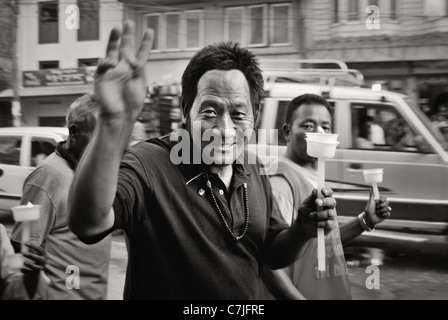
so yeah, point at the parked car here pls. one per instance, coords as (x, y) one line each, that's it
(21, 150)
(411, 149)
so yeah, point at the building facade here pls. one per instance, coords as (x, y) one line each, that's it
(270, 28)
(6, 61)
(402, 45)
(58, 46)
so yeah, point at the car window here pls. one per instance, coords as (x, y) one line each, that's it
(438, 127)
(10, 150)
(381, 127)
(40, 149)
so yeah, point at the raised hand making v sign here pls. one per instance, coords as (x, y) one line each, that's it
(120, 85)
(120, 89)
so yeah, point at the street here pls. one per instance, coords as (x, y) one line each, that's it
(411, 267)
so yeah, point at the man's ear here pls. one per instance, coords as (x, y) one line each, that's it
(183, 105)
(286, 131)
(73, 130)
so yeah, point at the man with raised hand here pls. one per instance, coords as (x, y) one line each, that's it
(200, 228)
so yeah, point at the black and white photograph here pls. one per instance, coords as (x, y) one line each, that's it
(224, 155)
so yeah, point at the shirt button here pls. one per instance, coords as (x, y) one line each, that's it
(221, 192)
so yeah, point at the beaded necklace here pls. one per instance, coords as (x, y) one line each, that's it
(246, 209)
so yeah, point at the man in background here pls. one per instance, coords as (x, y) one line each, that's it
(76, 270)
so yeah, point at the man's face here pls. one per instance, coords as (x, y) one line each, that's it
(306, 118)
(222, 109)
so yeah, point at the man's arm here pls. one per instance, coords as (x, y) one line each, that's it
(18, 285)
(120, 90)
(285, 246)
(280, 285)
(375, 212)
(33, 268)
(95, 181)
(39, 229)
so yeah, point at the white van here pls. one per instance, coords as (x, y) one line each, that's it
(21, 150)
(412, 151)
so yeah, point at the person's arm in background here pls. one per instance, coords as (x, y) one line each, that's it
(21, 283)
(120, 89)
(284, 246)
(374, 213)
(33, 274)
(39, 228)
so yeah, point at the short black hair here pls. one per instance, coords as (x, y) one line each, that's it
(304, 99)
(222, 56)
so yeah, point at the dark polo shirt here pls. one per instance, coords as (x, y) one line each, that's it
(179, 247)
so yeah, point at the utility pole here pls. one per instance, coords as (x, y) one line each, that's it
(15, 109)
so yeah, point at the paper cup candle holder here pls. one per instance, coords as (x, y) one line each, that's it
(321, 146)
(25, 214)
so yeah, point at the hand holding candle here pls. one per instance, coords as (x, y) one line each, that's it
(26, 214)
(321, 146)
(373, 177)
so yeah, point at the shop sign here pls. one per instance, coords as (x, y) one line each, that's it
(58, 77)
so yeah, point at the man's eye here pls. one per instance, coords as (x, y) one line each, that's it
(239, 115)
(307, 127)
(209, 112)
(326, 129)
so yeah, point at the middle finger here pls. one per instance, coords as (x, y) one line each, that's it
(127, 42)
(34, 257)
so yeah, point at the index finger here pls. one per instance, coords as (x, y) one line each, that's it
(34, 258)
(112, 45)
(127, 41)
(35, 247)
(309, 202)
(327, 192)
